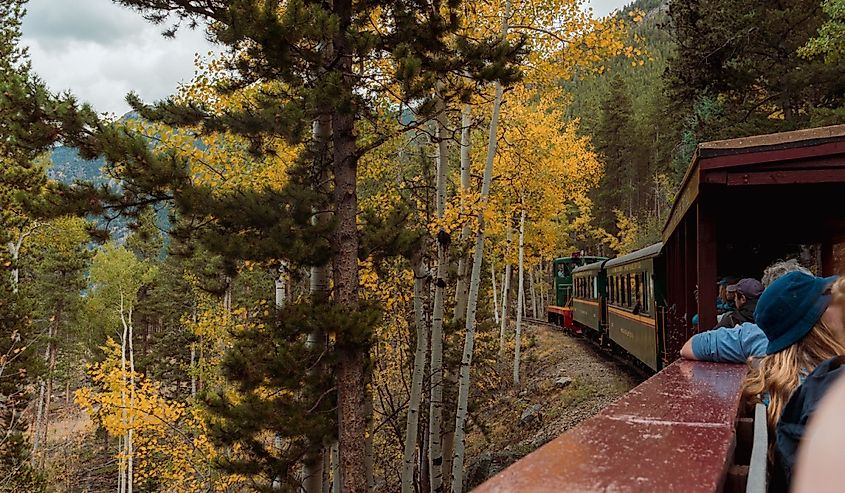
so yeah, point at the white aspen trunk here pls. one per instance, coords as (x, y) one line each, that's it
(130, 450)
(436, 403)
(123, 485)
(280, 291)
(39, 412)
(463, 263)
(336, 479)
(194, 318)
(533, 291)
(412, 425)
(503, 320)
(227, 295)
(281, 286)
(495, 291)
(48, 395)
(193, 370)
(121, 466)
(15, 252)
(475, 280)
(321, 130)
(520, 301)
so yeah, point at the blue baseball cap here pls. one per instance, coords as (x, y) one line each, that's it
(790, 307)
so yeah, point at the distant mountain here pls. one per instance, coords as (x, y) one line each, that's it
(68, 167)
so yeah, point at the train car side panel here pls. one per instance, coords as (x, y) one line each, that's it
(586, 313)
(636, 334)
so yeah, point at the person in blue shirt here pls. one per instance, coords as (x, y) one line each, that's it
(737, 344)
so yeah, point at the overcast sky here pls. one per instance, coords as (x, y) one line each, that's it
(100, 51)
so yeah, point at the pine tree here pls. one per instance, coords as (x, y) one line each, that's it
(613, 139)
(746, 55)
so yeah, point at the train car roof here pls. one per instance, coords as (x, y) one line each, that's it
(590, 267)
(758, 160)
(643, 253)
(594, 257)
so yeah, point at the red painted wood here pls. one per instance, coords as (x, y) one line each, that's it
(771, 155)
(706, 268)
(675, 432)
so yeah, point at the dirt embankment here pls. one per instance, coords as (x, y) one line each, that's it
(564, 381)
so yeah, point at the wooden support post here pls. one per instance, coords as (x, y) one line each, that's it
(707, 246)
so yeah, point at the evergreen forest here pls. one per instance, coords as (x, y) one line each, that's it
(309, 267)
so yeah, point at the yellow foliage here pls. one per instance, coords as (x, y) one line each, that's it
(171, 446)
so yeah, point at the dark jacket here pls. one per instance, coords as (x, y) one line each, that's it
(743, 314)
(796, 413)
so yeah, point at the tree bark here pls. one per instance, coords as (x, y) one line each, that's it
(412, 425)
(533, 292)
(520, 301)
(495, 293)
(351, 357)
(130, 445)
(318, 285)
(124, 450)
(436, 410)
(463, 263)
(503, 320)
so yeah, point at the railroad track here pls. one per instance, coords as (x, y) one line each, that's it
(624, 360)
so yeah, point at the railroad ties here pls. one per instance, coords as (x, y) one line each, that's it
(677, 431)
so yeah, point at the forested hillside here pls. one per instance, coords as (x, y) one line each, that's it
(361, 201)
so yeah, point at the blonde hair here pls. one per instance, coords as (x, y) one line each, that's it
(778, 375)
(838, 291)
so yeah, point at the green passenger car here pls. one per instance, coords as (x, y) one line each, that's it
(589, 286)
(635, 301)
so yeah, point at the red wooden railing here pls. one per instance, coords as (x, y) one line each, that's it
(674, 432)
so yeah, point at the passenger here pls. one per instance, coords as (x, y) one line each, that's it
(804, 329)
(819, 463)
(746, 292)
(724, 301)
(802, 404)
(736, 345)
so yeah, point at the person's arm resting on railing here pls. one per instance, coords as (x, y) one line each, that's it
(726, 345)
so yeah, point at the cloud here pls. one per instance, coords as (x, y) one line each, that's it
(604, 7)
(58, 22)
(100, 51)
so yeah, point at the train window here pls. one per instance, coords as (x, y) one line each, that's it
(615, 290)
(620, 287)
(644, 291)
(611, 291)
(623, 290)
(595, 288)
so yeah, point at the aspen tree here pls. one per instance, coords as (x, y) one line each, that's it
(520, 301)
(443, 240)
(421, 281)
(503, 320)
